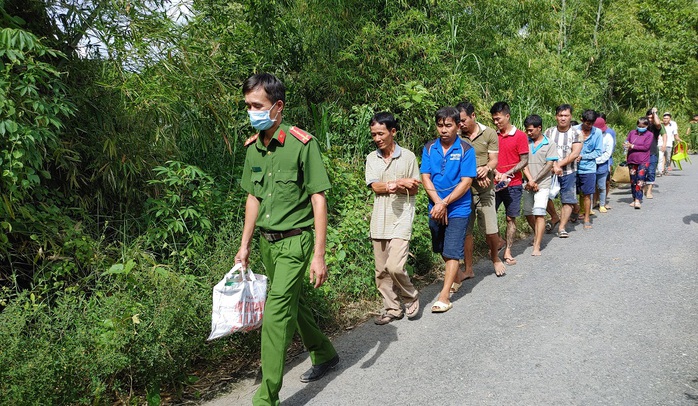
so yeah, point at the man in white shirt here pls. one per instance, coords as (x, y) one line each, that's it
(672, 134)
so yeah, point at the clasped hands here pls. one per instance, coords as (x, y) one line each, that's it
(405, 184)
(439, 212)
(532, 186)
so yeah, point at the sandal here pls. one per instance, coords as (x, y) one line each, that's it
(550, 226)
(413, 308)
(562, 234)
(386, 318)
(441, 307)
(454, 288)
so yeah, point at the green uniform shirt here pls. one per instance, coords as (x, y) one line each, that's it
(282, 176)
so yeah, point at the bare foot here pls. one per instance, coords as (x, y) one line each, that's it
(500, 269)
(535, 253)
(463, 274)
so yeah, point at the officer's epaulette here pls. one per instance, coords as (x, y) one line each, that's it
(252, 139)
(301, 135)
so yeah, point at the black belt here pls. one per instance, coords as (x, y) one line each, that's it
(274, 236)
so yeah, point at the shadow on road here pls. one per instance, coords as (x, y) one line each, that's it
(692, 396)
(374, 338)
(693, 218)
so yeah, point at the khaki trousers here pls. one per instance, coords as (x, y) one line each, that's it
(392, 279)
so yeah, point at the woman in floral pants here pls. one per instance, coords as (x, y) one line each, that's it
(638, 146)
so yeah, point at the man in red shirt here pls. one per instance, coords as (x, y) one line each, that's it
(513, 157)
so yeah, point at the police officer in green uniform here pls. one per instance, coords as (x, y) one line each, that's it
(285, 180)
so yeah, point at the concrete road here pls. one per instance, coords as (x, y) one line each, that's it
(608, 316)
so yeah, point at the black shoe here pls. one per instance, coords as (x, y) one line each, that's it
(318, 371)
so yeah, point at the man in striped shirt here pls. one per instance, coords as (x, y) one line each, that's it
(393, 175)
(569, 146)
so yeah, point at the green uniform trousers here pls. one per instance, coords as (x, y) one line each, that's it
(287, 262)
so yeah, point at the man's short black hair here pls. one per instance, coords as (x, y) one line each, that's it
(466, 106)
(643, 120)
(534, 120)
(273, 87)
(384, 118)
(447, 112)
(562, 108)
(649, 112)
(589, 115)
(500, 107)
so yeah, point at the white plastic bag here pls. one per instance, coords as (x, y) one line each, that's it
(238, 302)
(554, 186)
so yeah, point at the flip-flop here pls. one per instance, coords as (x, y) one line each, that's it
(550, 226)
(454, 288)
(510, 261)
(386, 318)
(413, 308)
(441, 307)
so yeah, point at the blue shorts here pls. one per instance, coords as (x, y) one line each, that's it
(586, 183)
(511, 197)
(449, 239)
(568, 188)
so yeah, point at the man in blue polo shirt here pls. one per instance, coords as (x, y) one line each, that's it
(448, 169)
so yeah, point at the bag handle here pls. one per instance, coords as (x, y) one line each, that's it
(244, 273)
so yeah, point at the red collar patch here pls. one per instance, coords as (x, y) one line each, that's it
(282, 137)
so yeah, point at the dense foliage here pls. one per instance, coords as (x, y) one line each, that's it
(121, 130)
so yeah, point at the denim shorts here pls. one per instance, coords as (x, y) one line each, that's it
(568, 188)
(511, 197)
(586, 183)
(449, 239)
(652, 170)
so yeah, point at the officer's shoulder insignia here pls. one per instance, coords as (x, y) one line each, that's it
(282, 136)
(252, 139)
(301, 135)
